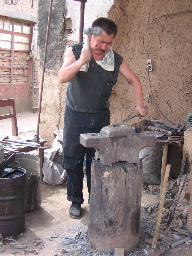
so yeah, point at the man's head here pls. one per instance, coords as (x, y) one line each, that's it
(101, 43)
(107, 25)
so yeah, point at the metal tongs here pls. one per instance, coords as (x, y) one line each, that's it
(125, 120)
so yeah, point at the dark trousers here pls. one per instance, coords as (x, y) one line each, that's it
(77, 123)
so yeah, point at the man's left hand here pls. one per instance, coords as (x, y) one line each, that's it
(142, 110)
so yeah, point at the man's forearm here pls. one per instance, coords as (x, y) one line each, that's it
(67, 73)
(138, 93)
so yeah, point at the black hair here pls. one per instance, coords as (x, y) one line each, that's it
(106, 24)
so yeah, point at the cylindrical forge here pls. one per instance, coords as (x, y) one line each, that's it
(116, 186)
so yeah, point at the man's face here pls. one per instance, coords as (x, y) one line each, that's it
(100, 44)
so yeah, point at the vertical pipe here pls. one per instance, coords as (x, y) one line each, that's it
(82, 11)
(42, 80)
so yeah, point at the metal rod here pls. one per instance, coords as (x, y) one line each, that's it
(125, 120)
(31, 144)
(6, 162)
(82, 11)
(182, 241)
(42, 81)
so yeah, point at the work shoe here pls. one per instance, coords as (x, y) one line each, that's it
(75, 211)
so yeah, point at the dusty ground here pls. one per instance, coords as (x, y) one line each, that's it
(50, 231)
(46, 226)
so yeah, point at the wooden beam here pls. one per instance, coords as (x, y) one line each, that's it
(164, 187)
(164, 163)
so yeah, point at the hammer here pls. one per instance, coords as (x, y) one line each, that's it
(87, 31)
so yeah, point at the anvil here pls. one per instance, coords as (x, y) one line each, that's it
(117, 144)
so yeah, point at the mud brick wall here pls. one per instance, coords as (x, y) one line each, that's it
(150, 29)
(51, 117)
(160, 31)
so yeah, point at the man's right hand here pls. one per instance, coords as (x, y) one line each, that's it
(71, 66)
(85, 56)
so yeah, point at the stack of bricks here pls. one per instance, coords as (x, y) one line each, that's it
(19, 8)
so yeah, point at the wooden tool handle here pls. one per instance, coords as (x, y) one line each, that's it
(86, 45)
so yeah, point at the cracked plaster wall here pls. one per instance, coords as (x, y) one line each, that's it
(160, 31)
(148, 29)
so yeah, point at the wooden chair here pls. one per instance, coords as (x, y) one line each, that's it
(10, 103)
(19, 145)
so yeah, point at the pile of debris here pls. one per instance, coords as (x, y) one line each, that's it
(173, 231)
(167, 130)
(53, 171)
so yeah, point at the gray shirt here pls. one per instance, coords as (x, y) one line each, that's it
(89, 92)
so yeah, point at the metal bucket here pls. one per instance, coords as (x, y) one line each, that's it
(31, 164)
(152, 162)
(12, 203)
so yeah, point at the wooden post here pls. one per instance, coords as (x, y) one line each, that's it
(164, 187)
(164, 163)
(114, 213)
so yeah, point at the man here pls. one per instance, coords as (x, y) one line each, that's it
(87, 106)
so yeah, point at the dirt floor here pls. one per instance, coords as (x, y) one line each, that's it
(51, 232)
